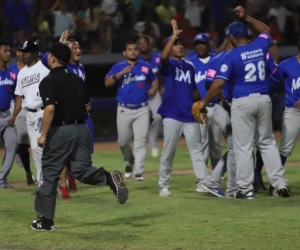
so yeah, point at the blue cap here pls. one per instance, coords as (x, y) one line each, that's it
(238, 29)
(168, 39)
(201, 37)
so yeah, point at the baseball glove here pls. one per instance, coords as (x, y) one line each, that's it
(199, 115)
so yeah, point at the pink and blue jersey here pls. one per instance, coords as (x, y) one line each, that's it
(7, 87)
(201, 69)
(153, 61)
(177, 101)
(244, 67)
(289, 70)
(77, 69)
(133, 87)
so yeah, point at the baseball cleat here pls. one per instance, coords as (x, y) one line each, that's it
(128, 172)
(30, 179)
(200, 189)
(6, 185)
(71, 182)
(164, 192)
(248, 195)
(215, 191)
(42, 225)
(139, 178)
(284, 192)
(118, 187)
(19, 161)
(63, 193)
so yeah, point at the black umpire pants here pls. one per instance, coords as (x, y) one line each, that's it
(70, 146)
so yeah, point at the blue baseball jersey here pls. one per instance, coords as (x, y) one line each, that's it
(15, 71)
(77, 69)
(245, 67)
(193, 53)
(177, 101)
(133, 86)
(153, 61)
(271, 65)
(7, 87)
(214, 66)
(201, 69)
(289, 70)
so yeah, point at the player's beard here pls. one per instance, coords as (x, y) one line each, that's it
(132, 59)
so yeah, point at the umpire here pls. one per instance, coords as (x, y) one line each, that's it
(66, 139)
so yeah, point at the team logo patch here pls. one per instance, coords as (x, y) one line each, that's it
(157, 59)
(265, 36)
(211, 73)
(145, 70)
(13, 75)
(223, 68)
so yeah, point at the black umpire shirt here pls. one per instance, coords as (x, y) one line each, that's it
(67, 92)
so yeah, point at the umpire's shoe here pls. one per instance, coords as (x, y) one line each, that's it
(42, 224)
(115, 181)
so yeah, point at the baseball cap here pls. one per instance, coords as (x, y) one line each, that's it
(61, 51)
(168, 39)
(201, 37)
(29, 46)
(238, 29)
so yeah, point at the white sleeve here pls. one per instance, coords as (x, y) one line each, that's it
(18, 90)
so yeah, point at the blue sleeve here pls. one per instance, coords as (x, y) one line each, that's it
(164, 70)
(45, 59)
(277, 73)
(212, 71)
(271, 65)
(224, 71)
(193, 82)
(263, 40)
(151, 76)
(113, 70)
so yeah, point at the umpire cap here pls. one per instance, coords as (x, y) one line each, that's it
(29, 46)
(61, 51)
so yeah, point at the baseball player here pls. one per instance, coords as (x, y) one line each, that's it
(153, 103)
(22, 153)
(212, 182)
(28, 97)
(179, 96)
(136, 82)
(288, 69)
(67, 181)
(251, 106)
(8, 134)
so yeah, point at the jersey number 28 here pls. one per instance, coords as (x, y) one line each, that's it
(253, 69)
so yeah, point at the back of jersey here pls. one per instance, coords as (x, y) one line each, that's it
(245, 67)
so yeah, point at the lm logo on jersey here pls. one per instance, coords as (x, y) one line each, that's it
(182, 76)
(295, 84)
(199, 77)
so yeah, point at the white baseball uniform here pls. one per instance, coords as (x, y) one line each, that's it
(28, 82)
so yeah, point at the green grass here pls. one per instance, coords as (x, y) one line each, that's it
(93, 219)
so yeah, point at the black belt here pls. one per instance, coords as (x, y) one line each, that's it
(56, 124)
(35, 110)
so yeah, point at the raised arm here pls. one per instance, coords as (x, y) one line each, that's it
(164, 60)
(258, 26)
(54, 6)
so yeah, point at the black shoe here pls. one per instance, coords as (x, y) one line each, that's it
(284, 192)
(30, 179)
(128, 172)
(240, 195)
(258, 184)
(115, 181)
(273, 191)
(42, 224)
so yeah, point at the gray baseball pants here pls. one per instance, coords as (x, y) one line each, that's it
(290, 131)
(251, 118)
(154, 104)
(211, 135)
(172, 133)
(222, 119)
(9, 135)
(133, 123)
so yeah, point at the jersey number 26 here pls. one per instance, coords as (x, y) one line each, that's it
(253, 69)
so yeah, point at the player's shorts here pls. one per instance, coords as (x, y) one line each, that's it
(21, 126)
(89, 124)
